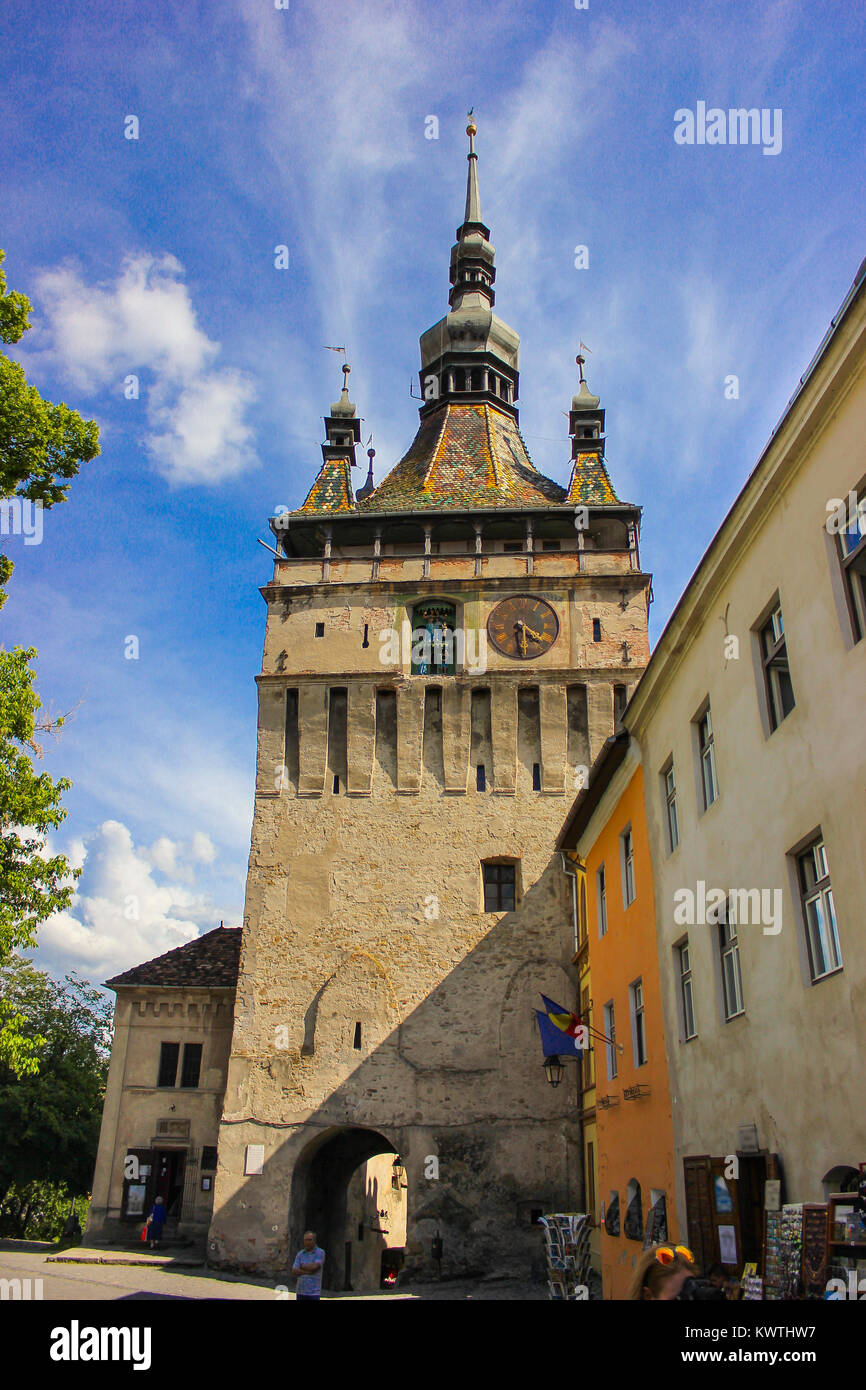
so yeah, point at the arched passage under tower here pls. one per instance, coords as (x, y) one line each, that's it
(349, 1186)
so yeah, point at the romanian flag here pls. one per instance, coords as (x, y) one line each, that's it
(560, 1030)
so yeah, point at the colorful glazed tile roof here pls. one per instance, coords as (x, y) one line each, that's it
(465, 456)
(590, 482)
(332, 490)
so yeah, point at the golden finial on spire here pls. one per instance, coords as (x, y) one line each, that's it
(471, 130)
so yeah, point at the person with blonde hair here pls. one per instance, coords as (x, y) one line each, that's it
(662, 1271)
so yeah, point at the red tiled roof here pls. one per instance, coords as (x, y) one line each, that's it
(209, 962)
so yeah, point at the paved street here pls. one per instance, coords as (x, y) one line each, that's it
(101, 1282)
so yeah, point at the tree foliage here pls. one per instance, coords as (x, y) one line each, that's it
(50, 1120)
(42, 447)
(33, 884)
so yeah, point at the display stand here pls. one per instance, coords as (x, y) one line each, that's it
(772, 1255)
(815, 1232)
(846, 1238)
(783, 1251)
(566, 1236)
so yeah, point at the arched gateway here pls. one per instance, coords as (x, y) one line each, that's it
(357, 1212)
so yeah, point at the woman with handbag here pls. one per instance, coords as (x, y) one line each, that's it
(155, 1223)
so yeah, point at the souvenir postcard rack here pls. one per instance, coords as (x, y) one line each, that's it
(566, 1237)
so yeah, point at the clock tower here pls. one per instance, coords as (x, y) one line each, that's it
(446, 650)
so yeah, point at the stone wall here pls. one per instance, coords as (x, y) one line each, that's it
(380, 1008)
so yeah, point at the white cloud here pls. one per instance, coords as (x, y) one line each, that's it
(168, 855)
(121, 914)
(145, 323)
(203, 432)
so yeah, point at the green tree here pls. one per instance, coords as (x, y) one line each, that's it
(50, 1119)
(42, 447)
(33, 885)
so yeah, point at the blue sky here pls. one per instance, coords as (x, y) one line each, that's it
(305, 127)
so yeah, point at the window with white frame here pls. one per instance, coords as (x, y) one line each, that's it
(610, 1034)
(852, 558)
(779, 691)
(638, 1023)
(601, 893)
(819, 911)
(729, 953)
(687, 997)
(707, 754)
(669, 791)
(626, 841)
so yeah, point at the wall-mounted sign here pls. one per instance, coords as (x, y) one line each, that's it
(135, 1199)
(728, 1245)
(254, 1160)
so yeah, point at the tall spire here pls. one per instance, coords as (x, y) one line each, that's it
(472, 271)
(473, 196)
(470, 356)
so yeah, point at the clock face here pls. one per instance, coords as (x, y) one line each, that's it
(523, 627)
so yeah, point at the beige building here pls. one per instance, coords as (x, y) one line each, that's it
(750, 723)
(444, 649)
(164, 1095)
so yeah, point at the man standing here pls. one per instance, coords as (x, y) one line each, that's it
(307, 1268)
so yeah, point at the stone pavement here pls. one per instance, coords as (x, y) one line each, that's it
(162, 1277)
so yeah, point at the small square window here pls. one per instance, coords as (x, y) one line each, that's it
(499, 887)
(320, 629)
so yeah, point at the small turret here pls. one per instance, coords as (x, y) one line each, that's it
(342, 426)
(585, 420)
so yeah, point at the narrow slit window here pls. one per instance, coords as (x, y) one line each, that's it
(336, 784)
(366, 641)
(596, 629)
(536, 777)
(356, 1043)
(480, 778)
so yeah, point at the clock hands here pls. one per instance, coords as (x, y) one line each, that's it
(527, 631)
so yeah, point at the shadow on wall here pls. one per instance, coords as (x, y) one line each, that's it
(456, 1089)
